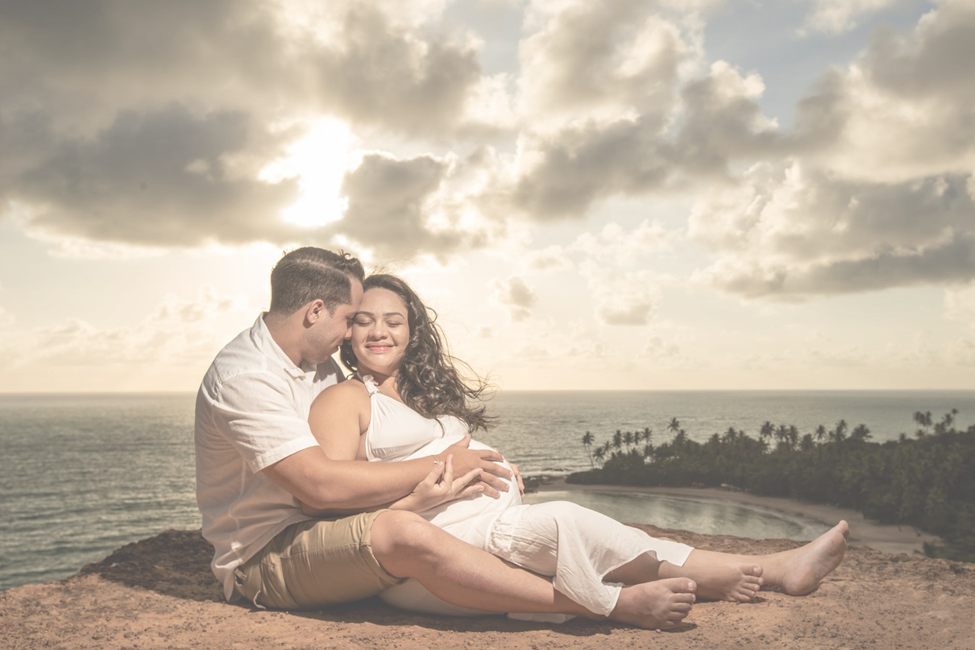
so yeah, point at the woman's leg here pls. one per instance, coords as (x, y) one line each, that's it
(797, 571)
(543, 537)
(578, 547)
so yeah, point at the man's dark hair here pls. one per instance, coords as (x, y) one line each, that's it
(309, 273)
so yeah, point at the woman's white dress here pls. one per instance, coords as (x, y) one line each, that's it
(574, 545)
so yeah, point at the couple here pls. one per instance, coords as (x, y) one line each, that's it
(300, 519)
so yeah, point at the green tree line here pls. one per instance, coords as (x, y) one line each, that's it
(926, 480)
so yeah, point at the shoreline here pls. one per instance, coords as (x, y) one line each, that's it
(888, 538)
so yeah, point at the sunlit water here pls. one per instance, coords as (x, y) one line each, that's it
(700, 516)
(82, 475)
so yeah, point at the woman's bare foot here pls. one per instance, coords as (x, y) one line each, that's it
(661, 604)
(800, 570)
(735, 582)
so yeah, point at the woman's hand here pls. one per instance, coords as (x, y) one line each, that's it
(439, 487)
(521, 484)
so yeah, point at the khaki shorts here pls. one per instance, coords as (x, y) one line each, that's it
(315, 563)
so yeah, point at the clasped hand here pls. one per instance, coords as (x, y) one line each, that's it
(440, 486)
(494, 475)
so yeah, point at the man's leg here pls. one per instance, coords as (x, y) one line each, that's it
(407, 546)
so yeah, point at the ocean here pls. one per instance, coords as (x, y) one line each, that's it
(81, 475)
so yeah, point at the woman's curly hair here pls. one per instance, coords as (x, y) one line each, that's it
(428, 378)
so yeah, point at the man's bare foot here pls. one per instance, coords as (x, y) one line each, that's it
(802, 569)
(661, 604)
(735, 582)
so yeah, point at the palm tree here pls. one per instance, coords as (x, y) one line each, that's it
(680, 438)
(628, 439)
(820, 433)
(781, 434)
(648, 451)
(923, 421)
(618, 439)
(839, 433)
(860, 432)
(600, 454)
(807, 442)
(793, 436)
(587, 441)
(729, 435)
(674, 425)
(647, 434)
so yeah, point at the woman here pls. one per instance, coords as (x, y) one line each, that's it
(407, 400)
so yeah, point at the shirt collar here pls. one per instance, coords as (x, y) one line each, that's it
(266, 343)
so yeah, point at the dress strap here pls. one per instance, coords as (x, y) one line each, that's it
(369, 383)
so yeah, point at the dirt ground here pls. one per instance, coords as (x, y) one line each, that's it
(159, 593)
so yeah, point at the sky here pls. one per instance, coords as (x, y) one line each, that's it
(593, 195)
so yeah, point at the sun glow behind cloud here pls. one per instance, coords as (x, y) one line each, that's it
(320, 160)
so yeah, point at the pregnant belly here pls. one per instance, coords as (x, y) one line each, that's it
(470, 518)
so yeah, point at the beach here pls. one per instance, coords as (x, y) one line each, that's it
(882, 537)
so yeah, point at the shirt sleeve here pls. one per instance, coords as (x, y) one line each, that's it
(257, 413)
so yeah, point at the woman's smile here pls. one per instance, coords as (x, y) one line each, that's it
(380, 332)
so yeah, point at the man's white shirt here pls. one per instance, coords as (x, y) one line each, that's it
(251, 411)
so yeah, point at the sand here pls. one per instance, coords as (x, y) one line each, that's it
(159, 593)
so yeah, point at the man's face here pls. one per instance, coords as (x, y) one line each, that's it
(331, 330)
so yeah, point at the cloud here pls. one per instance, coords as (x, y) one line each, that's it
(6, 318)
(627, 298)
(904, 109)
(550, 258)
(621, 246)
(960, 304)
(165, 178)
(657, 347)
(874, 188)
(176, 332)
(398, 78)
(793, 233)
(515, 295)
(87, 61)
(562, 173)
(598, 59)
(151, 125)
(838, 16)
(405, 208)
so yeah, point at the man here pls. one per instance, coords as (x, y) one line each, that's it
(257, 461)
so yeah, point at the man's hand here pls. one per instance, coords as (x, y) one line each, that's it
(494, 475)
(440, 486)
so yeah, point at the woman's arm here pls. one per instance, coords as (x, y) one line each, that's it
(337, 419)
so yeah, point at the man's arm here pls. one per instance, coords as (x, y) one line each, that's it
(327, 478)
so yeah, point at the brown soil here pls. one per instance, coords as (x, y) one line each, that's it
(159, 593)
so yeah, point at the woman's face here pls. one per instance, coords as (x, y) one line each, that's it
(380, 332)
